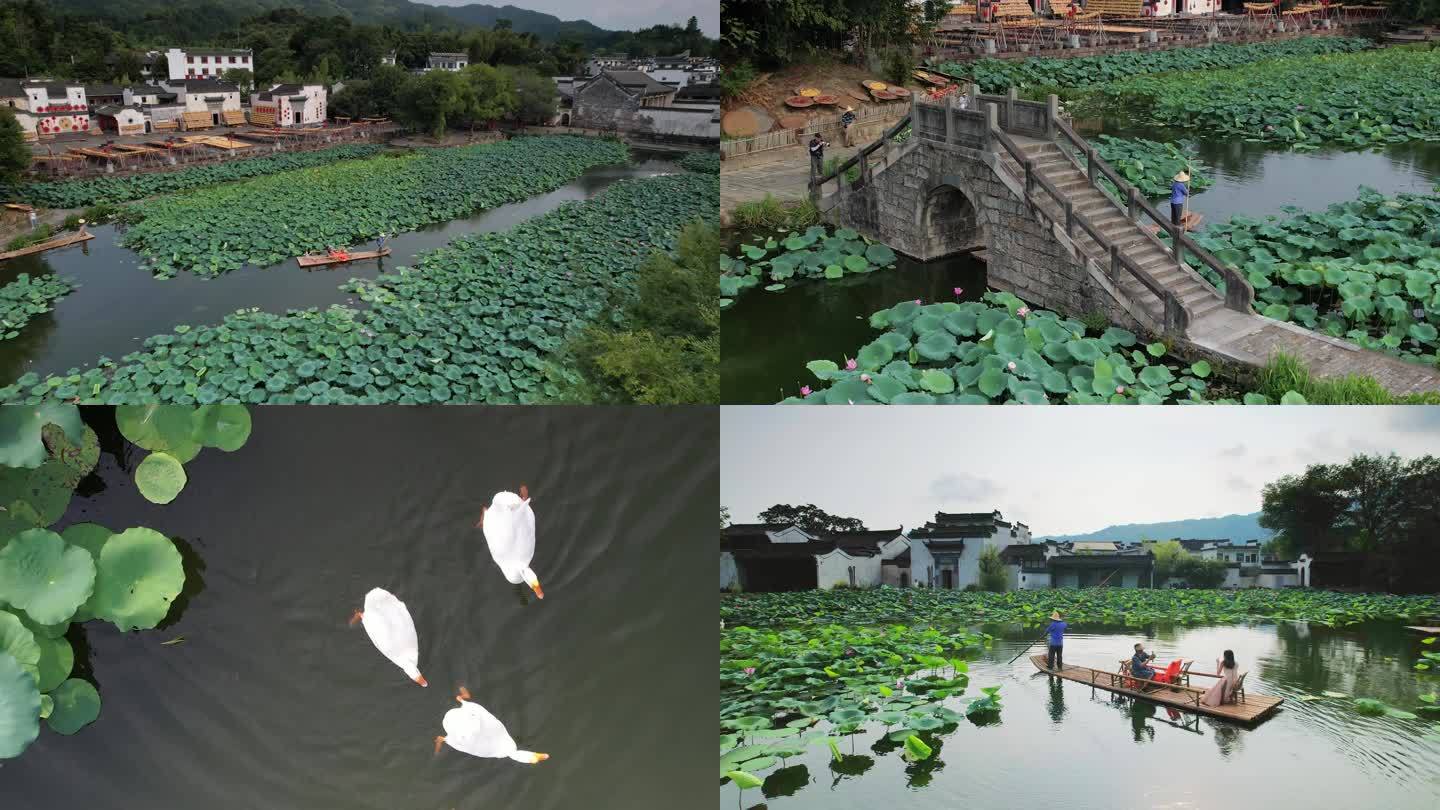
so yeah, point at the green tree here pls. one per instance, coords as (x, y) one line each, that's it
(724, 516)
(1168, 556)
(992, 571)
(666, 346)
(810, 518)
(492, 94)
(1201, 573)
(534, 95)
(14, 154)
(434, 99)
(241, 78)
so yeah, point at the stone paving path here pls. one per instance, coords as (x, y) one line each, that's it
(786, 177)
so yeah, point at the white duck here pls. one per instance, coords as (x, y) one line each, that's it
(472, 730)
(388, 623)
(509, 525)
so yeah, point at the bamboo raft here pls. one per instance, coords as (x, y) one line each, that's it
(309, 260)
(1249, 709)
(1190, 220)
(58, 242)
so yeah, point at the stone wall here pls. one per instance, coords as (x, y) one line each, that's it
(928, 200)
(604, 106)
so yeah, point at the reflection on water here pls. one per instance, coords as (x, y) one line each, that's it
(272, 701)
(767, 338)
(1060, 743)
(119, 304)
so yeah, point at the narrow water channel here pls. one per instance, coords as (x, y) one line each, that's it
(119, 304)
(1061, 744)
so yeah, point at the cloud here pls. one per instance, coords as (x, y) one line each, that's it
(1234, 452)
(955, 489)
(1238, 484)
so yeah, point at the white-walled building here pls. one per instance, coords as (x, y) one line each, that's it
(389, 58)
(447, 61)
(289, 105)
(781, 557)
(121, 120)
(177, 64)
(955, 541)
(46, 109)
(148, 95)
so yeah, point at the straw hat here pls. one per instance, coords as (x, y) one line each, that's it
(848, 108)
(1055, 614)
(1183, 176)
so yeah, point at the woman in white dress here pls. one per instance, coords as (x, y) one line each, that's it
(1224, 688)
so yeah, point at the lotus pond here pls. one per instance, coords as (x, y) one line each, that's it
(1356, 714)
(253, 691)
(87, 325)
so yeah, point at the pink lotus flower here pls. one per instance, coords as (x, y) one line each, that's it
(1119, 389)
(917, 300)
(749, 670)
(1010, 365)
(959, 290)
(849, 364)
(865, 378)
(1022, 311)
(804, 390)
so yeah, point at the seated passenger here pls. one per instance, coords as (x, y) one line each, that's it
(1139, 663)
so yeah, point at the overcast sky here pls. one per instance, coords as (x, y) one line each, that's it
(618, 15)
(1061, 470)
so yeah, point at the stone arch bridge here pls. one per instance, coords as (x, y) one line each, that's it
(1012, 177)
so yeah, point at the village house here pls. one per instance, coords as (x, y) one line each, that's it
(782, 557)
(289, 105)
(952, 544)
(447, 61)
(176, 64)
(99, 95)
(596, 65)
(1095, 564)
(147, 95)
(46, 109)
(207, 102)
(388, 58)
(629, 101)
(121, 120)
(672, 71)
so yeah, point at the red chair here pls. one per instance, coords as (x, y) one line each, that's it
(1170, 674)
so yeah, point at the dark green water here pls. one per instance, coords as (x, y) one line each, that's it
(272, 702)
(1061, 744)
(119, 304)
(767, 338)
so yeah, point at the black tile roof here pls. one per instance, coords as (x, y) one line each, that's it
(635, 80)
(206, 86)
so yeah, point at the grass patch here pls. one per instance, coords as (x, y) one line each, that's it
(772, 213)
(1285, 373)
(36, 236)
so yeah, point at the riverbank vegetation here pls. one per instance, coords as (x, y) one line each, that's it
(664, 348)
(769, 212)
(1133, 607)
(81, 193)
(1381, 506)
(269, 219)
(705, 162)
(475, 321)
(52, 579)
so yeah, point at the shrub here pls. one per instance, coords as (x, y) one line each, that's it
(736, 78)
(992, 571)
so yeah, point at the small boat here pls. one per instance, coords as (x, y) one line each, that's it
(50, 244)
(1248, 709)
(1190, 220)
(312, 260)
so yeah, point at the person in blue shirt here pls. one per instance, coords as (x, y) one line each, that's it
(1178, 192)
(1053, 659)
(1140, 663)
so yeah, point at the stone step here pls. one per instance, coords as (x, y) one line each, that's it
(1203, 308)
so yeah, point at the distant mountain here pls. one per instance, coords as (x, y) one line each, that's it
(399, 13)
(1230, 527)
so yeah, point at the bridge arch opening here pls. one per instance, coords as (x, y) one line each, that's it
(950, 221)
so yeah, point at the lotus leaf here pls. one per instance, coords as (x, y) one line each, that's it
(17, 641)
(139, 575)
(56, 660)
(77, 704)
(20, 431)
(19, 708)
(160, 477)
(916, 749)
(225, 426)
(24, 298)
(42, 576)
